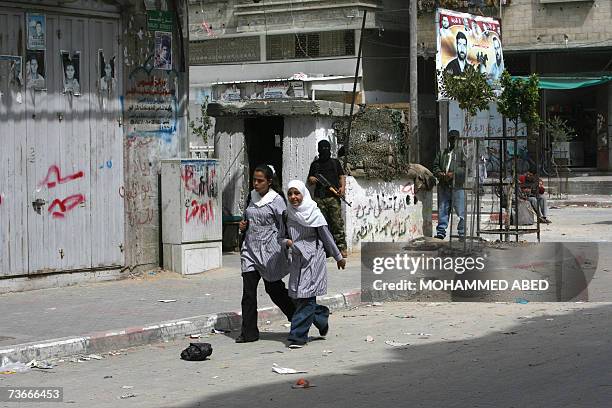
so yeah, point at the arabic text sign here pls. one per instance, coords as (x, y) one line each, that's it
(160, 20)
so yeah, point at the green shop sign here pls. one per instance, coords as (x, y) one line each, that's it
(160, 20)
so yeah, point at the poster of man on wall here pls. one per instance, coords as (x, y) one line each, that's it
(37, 26)
(466, 39)
(15, 72)
(107, 81)
(163, 50)
(71, 69)
(35, 69)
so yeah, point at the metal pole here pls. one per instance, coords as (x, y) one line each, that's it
(516, 186)
(502, 170)
(414, 85)
(350, 124)
(478, 187)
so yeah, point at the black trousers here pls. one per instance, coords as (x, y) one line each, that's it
(278, 293)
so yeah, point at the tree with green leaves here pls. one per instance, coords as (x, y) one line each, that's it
(471, 91)
(201, 125)
(519, 100)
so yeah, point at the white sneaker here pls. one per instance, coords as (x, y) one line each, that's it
(296, 346)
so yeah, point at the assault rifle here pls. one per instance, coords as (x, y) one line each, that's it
(326, 184)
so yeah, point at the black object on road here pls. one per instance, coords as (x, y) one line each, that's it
(197, 352)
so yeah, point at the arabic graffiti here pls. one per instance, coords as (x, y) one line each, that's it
(384, 212)
(54, 173)
(199, 212)
(65, 205)
(200, 180)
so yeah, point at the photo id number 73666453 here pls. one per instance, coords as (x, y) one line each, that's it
(31, 394)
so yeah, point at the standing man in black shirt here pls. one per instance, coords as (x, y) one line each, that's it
(327, 201)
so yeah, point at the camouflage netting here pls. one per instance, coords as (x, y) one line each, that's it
(378, 146)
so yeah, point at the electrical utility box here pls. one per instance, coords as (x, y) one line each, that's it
(191, 215)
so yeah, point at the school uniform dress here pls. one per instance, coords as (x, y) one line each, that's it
(308, 275)
(261, 257)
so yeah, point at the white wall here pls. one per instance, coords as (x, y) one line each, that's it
(379, 212)
(230, 149)
(301, 136)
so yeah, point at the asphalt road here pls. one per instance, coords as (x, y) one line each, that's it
(473, 355)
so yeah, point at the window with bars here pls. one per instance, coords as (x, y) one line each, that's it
(310, 45)
(224, 50)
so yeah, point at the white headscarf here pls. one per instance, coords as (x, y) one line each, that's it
(307, 213)
(260, 201)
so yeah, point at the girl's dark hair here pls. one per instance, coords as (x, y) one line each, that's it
(267, 171)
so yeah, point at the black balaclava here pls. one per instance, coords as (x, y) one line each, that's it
(324, 148)
(452, 137)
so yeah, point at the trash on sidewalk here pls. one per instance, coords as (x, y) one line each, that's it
(195, 336)
(43, 365)
(287, 325)
(420, 335)
(394, 343)
(327, 352)
(302, 383)
(127, 387)
(8, 367)
(197, 352)
(167, 300)
(126, 396)
(217, 331)
(80, 358)
(285, 370)
(377, 304)
(521, 301)
(369, 339)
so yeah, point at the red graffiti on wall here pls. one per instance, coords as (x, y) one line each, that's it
(54, 177)
(200, 212)
(188, 180)
(65, 205)
(55, 172)
(206, 184)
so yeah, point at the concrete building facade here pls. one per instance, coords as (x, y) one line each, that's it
(95, 97)
(279, 77)
(565, 42)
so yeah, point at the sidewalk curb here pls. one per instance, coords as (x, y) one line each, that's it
(103, 342)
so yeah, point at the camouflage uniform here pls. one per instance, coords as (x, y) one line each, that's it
(331, 207)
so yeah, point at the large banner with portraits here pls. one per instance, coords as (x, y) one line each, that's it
(463, 39)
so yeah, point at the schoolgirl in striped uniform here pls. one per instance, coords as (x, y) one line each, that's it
(261, 255)
(307, 237)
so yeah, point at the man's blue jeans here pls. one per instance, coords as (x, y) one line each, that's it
(306, 313)
(444, 204)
